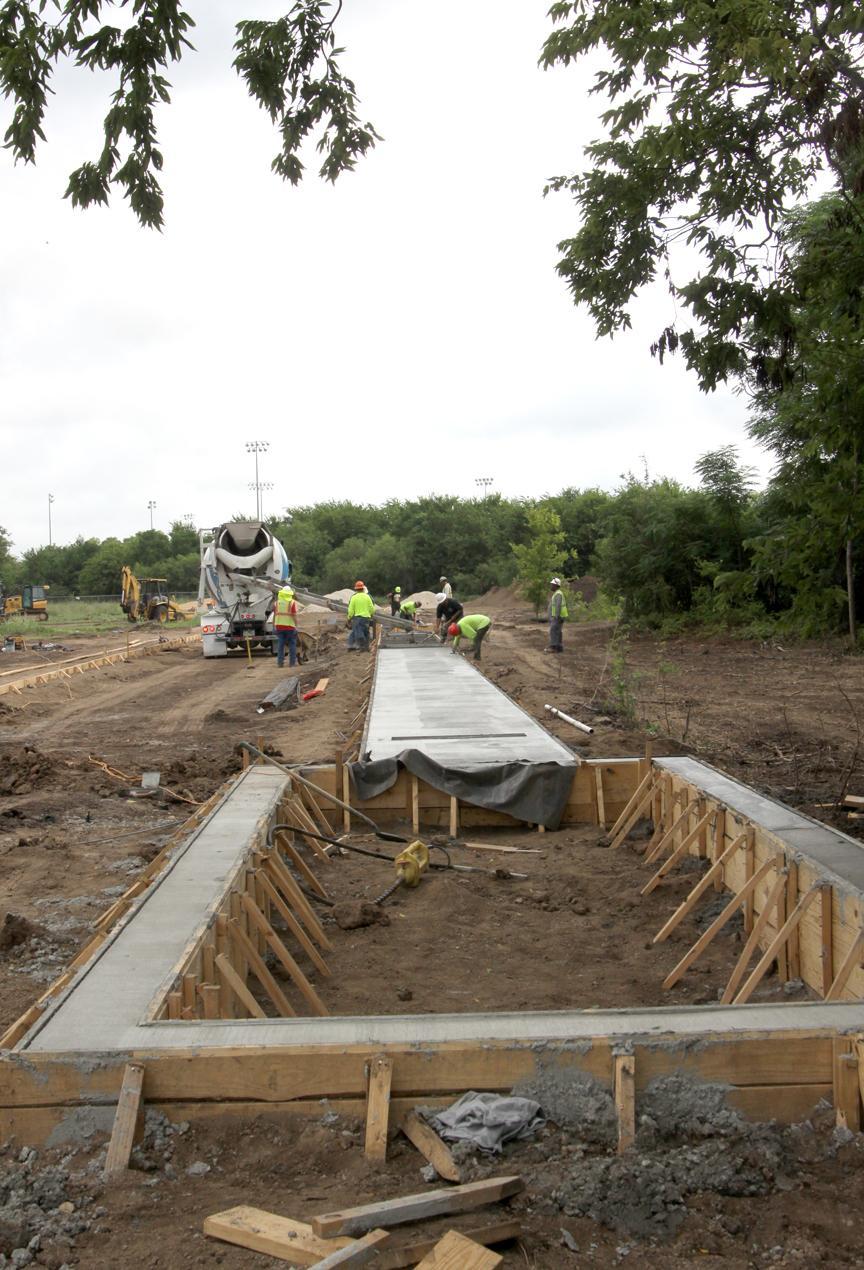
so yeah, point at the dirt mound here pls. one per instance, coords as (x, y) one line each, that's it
(22, 771)
(342, 596)
(426, 599)
(17, 930)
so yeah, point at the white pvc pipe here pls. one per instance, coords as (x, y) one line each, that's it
(559, 714)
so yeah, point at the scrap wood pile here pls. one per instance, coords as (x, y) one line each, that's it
(364, 1235)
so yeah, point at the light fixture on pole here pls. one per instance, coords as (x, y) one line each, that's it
(259, 487)
(484, 482)
(150, 507)
(256, 448)
(50, 501)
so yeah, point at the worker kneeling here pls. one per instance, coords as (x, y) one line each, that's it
(285, 626)
(361, 614)
(474, 627)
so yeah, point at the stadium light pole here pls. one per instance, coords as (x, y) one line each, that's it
(259, 487)
(150, 507)
(256, 448)
(50, 501)
(484, 482)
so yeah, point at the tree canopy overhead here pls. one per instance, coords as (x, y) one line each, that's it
(290, 66)
(721, 114)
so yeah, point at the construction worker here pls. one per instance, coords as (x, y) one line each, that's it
(408, 609)
(447, 612)
(445, 587)
(285, 626)
(558, 614)
(361, 614)
(395, 598)
(474, 627)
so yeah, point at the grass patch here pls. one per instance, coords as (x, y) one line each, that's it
(82, 617)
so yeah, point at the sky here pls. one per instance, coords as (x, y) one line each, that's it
(400, 333)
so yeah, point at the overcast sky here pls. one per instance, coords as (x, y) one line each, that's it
(400, 333)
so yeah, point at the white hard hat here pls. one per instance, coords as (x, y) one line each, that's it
(555, 582)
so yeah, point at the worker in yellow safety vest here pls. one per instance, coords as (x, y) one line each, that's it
(285, 626)
(361, 615)
(558, 614)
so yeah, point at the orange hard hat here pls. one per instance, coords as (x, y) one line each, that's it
(453, 630)
(359, 586)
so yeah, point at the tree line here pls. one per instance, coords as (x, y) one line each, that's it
(717, 552)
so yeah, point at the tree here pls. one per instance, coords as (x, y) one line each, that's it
(814, 419)
(290, 67)
(721, 115)
(728, 485)
(542, 556)
(8, 564)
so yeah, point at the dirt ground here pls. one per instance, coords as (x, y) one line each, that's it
(786, 719)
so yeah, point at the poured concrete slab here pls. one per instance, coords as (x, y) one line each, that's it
(110, 996)
(837, 855)
(427, 699)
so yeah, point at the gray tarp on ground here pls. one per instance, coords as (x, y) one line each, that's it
(535, 792)
(488, 1121)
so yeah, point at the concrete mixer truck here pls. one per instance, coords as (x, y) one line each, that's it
(242, 565)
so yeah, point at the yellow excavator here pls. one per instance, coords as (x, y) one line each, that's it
(31, 602)
(147, 600)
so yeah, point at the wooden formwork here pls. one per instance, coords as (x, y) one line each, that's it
(777, 1061)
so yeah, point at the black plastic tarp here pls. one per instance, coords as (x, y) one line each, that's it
(534, 792)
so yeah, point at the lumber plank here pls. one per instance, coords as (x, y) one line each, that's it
(719, 922)
(292, 923)
(262, 974)
(259, 921)
(681, 850)
(454, 816)
(288, 886)
(598, 793)
(392, 1212)
(428, 1143)
(300, 864)
(632, 804)
(625, 1099)
(456, 1252)
(850, 962)
(634, 817)
(379, 1080)
(769, 910)
(125, 1120)
(280, 1237)
(230, 978)
(359, 1252)
(698, 891)
(749, 870)
(777, 943)
(654, 852)
(394, 1257)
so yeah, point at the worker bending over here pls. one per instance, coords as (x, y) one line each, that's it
(447, 612)
(408, 609)
(474, 627)
(558, 614)
(361, 615)
(285, 626)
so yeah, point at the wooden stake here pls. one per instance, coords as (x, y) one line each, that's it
(719, 922)
(379, 1077)
(292, 923)
(850, 962)
(259, 921)
(302, 867)
(210, 994)
(769, 909)
(634, 817)
(262, 974)
(346, 798)
(231, 982)
(360, 1252)
(415, 804)
(699, 890)
(847, 1096)
(681, 850)
(633, 804)
(826, 926)
(777, 943)
(625, 1099)
(125, 1120)
(749, 869)
(454, 816)
(719, 840)
(428, 1143)
(408, 1208)
(601, 802)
